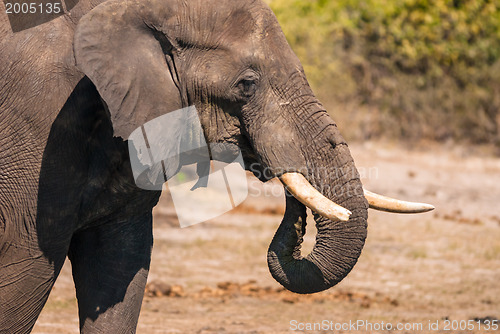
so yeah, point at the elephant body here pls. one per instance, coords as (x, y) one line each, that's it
(73, 89)
(67, 190)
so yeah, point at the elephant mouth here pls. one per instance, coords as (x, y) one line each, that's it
(305, 193)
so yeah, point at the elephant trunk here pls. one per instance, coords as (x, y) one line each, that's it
(338, 243)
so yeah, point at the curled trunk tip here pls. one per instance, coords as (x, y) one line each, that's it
(338, 246)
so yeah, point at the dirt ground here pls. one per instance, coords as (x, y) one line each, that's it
(436, 269)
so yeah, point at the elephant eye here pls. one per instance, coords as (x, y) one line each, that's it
(247, 87)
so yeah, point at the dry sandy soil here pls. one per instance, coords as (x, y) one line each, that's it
(442, 266)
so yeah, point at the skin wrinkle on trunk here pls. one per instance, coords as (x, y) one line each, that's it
(315, 149)
(323, 267)
(338, 244)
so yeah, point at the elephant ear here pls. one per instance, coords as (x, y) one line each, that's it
(123, 48)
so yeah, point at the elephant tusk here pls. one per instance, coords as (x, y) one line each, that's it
(383, 203)
(305, 193)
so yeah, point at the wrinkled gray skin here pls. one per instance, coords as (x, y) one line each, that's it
(73, 88)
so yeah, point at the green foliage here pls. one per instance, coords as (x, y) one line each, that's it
(410, 68)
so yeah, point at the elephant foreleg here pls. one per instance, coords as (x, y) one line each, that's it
(110, 266)
(26, 279)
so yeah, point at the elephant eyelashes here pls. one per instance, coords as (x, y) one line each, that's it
(247, 88)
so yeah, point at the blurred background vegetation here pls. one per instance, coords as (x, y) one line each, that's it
(416, 70)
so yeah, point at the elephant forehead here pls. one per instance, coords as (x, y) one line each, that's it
(221, 23)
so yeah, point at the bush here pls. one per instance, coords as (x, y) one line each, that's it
(411, 69)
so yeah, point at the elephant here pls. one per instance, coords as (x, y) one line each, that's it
(73, 89)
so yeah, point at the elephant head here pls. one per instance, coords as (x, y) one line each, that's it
(231, 60)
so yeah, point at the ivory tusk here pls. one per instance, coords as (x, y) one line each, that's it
(383, 203)
(305, 193)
